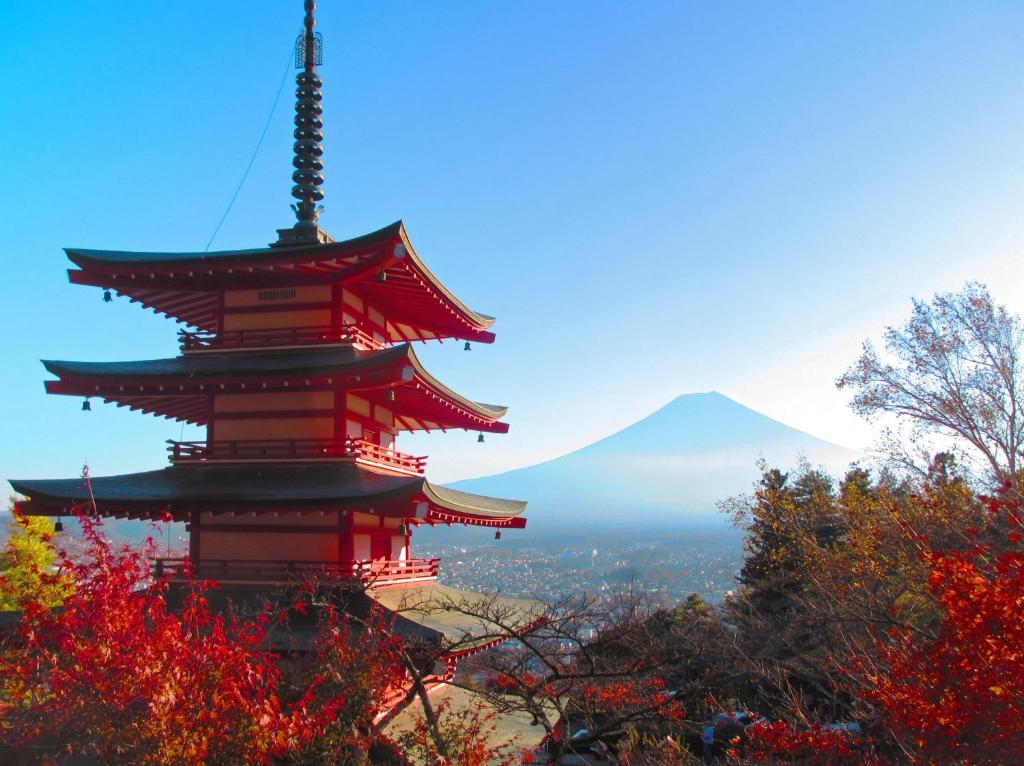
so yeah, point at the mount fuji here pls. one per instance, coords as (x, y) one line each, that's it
(671, 467)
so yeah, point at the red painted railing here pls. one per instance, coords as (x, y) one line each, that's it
(205, 340)
(244, 570)
(296, 449)
(374, 453)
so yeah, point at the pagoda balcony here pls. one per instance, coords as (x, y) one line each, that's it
(205, 341)
(361, 573)
(276, 450)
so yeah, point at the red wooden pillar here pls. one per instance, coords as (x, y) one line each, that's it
(220, 311)
(346, 549)
(337, 307)
(340, 424)
(211, 418)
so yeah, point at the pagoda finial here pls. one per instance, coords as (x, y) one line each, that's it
(308, 175)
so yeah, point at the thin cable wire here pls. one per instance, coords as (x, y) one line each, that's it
(263, 134)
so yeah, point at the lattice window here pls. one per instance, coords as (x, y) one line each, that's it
(280, 294)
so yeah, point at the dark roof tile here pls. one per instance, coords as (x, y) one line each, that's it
(263, 484)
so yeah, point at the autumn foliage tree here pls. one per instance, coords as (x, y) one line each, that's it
(461, 737)
(117, 675)
(907, 612)
(794, 522)
(953, 369)
(587, 665)
(943, 690)
(958, 696)
(29, 563)
(132, 670)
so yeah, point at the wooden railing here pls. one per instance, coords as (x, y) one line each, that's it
(296, 449)
(251, 570)
(368, 452)
(205, 340)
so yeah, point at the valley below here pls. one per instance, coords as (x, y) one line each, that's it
(668, 565)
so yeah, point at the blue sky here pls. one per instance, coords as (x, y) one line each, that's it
(653, 198)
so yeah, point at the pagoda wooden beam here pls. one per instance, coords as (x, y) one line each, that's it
(277, 307)
(205, 299)
(278, 414)
(271, 528)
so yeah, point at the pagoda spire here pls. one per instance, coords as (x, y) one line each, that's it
(308, 160)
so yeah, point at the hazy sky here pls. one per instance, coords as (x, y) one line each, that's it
(653, 198)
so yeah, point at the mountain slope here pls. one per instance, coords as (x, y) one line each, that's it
(672, 466)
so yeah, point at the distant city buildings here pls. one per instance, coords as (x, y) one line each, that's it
(547, 569)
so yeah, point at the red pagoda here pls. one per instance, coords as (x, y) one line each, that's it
(299, 362)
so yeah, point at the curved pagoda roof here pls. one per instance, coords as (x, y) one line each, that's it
(463, 619)
(266, 488)
(187, 286)
(179, 387)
